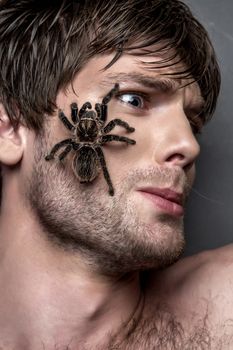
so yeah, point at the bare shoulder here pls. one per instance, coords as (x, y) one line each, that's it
(215, 280)
(199, 287)
(194, 297)
(210, 270)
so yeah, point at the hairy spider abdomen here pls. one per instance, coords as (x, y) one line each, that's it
(85, 164)
(87, 130)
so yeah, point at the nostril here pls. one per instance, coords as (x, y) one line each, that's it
(177, 157)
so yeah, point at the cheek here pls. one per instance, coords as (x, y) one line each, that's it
(120, 155)
(119, 158)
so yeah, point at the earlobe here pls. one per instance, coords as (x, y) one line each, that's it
(11, 140)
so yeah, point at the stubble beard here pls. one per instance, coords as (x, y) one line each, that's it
(106, 231)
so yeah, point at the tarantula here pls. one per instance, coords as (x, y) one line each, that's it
(89, 135)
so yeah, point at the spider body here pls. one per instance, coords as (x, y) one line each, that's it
(86, 164)
(89, 134)
(87, 128)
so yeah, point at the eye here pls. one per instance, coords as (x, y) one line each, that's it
(133, 99)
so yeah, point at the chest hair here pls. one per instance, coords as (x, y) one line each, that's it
(164, 332)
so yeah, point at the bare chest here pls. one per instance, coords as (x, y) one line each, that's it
(164, 331)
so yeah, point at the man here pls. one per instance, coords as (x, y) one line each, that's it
(92, 224)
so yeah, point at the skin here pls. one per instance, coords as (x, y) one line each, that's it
(60, 292)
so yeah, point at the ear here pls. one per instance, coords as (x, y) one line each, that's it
(11, 140)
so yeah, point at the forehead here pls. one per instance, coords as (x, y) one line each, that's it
(136, 69)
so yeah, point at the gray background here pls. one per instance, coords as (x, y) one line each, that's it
(209, 218)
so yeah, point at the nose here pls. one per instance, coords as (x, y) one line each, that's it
(178, 145)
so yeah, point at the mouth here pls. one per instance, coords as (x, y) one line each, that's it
(164, 199)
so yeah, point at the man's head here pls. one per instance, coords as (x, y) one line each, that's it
(68, 52)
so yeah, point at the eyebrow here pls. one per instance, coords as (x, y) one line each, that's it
(160, 84)
(164, 85)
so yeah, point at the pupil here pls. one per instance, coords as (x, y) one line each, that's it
(132, 99)
(135, 102)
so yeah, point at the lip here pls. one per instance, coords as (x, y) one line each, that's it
(165, 199)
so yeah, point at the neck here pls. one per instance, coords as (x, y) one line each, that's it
(50, 297)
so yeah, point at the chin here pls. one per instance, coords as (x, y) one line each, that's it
(145, 250)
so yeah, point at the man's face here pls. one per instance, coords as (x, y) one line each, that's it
(141, 226)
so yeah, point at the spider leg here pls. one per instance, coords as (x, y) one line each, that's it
(106, 99)
(109, 138)
(98, 110)
(111, 125)
(57, 147)
(65, 152)
(105, 170)
(84, 107)
(101, 112)
(111, 93)
(74, 113)
(65, 121)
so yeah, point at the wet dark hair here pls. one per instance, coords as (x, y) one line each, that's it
(44, 45)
